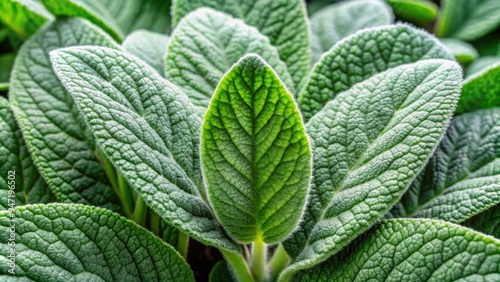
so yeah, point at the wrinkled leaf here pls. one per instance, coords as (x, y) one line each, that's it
(463, 52)
(149, 47)
(487, 222)
(24, 17)
(481, 90)
(417, 11)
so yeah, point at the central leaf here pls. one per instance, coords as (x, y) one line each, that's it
(255, 154)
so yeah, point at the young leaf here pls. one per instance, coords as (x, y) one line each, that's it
(481, 90)
(414, 250)
(149, 47)
(205, 45)
(284, 22)
(468, 20)
(148, 129)
(416, 11)
(487, 222)
(368, 145)
(462, 178)
(363, 55)
(52, 127)
(60, 242)
(255, 154)
(24, 17)
(480, 64)
(463, 52)
(6, 63)
(332, 23)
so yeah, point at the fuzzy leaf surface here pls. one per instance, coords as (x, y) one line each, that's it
(149, 47)
(481, 90)
(255, 154)
(24, 17)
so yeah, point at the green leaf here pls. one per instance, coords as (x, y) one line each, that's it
(487, 222)
(481, 90)
(205, 45)
(468, 20)
(414, 250)
(24, 17)
(480, 64)
(417, 11)
(54, 131)
(6, 63)
(220, 273)
(60, 242)
(284, 22)
(148, 129)
(150, 47)
(255, 154)
(462, 178)
(463, 52)
(335, 22)
(363, 55)
(368, 145)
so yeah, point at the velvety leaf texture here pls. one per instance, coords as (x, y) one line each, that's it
(52, 127)
(24, 17)
(60, 242)
(368, 145)
(461, 50)
(335, 22)
(487, 222)
(148, 129)
(255, 154)
(284, 22)
(414, 250)
(150, 47)
(481, 90)
(362, 55)
(206, 44)
(462, 178)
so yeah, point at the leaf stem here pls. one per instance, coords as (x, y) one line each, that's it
(183, 245)
(126, 195)
(239, 266)
(259, 259)
(140, 211)
(155, 223)
(278, 262)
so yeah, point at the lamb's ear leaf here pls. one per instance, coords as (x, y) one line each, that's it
(413, 250)
(6, 64)
(17, 170)
(255, 154)
(463, 52)
(206, 44)
(487, 222)
(368, 145)
(462, 178)
(76, 242)
(468, 20)
(284, 22)
(363, 55)
(23, 17)
(59, 141)
(148, 129)
(415, 11)
(337, 21)
(480, 90)
(149, 46)
(480, 64)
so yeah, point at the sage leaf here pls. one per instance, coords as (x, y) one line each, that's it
(255, 154)
(462, 178)
(416, 11)
(487, 222)
(61, 242)
(24, 17)
(414, 250)
(284, 22)
(463, 52)
(363, 55)
(368, 145)
(206, 44)
(148, 129)
(150, 47)
(481, 90)
(53, 129)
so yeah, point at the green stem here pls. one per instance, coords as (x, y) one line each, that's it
(239, 266)
(155, 223)
(183, 245)
(126, 195)
(108, 169)
(140, 212)
(259, 259)
(278, 262)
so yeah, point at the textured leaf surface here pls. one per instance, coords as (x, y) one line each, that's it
(24, 17)
(54, 131)
(461, 50)
(206, 44)
(149, 47)
(368, 145)
(462, 179)
(255, 154)
(481, 90)
(148, 129)
(414, 250)
(487, 222)
(284, 22)
(6, 63)
(335, 22)
(480, 64)
(417, 11)
(61, 242)
(468, 20)
(362, 55)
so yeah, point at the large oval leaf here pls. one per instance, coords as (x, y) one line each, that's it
(255, 154)
(60, 242)
(368, 145)
(148, 129)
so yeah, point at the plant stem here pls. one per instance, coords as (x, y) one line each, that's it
(126, 194)
(154, 223)
(183, 245)
(140, 212)
(259, 259)
(239, 266)
(278, 262)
